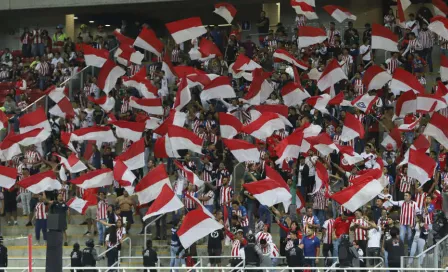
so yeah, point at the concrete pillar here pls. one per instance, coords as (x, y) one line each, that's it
(70, 26)
(273, 13)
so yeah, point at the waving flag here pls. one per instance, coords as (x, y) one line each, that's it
(122, 38)
(402, 5)
(442, 91)
(411, 126)
(242, 150)
(109, 74)
(98, 133)
(264, 126)
(199, 205)
(201, 80)
(182, 138)
(163, 148)
(56, 94)
(438, 128)
(375, 78)
(339, 100)
(219, 88)
(332, 74)
(289, 147)
(268, 191)
(124, 176)
(134, 157)
(168, 68)
(208, 49)
(352, 128)
(95, 57)
(129, 130)
(73, 164)
(303, 8)
(440, 8)
(365, 102)
(183, 95)
(107, 103)
(195, 226)
(403, 81)
(141, 83)
(175, 118)
(309, 35)
(293, 94)
(78, 204)
(149, 105)
(3, 120)
(189, 175)
(126, 55)
(150, 186)
(365, 188)
(281, 110)
(148, 40)
(393, 140)
(34, 120)
(38, 183)
(323, 143)
(9, 145)
(94, 179)
(420, 166)
(243, 63)
(309, 2)
(319, 102)
(439, 25)
(430, 103)
(321, 177)
(187, 29)
(8, 176)
(63, 109)
(283, 55)
(229, 125)
(349, 155)
(383, 38)
(340, 14)
(406, 103)
(260, 89)
(166, 202)
(226, 11)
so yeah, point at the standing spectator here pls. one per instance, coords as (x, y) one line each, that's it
(60, 207)
(367, 34)
(395, 249)
(150, 258)
(37, 45)
(426, 39)
(389, 20)
(374, 242)
(360, 227)
(127, 204)
(262, 26)
(25, 195)
(3, 254)
(40, 215)
(59, 37)
(366, 52)
(90, 195)
(101, 214)
(43, 71)
(311, 248)
(341, 227)
(413, 24)
(295, 256)
(214, 246)
(25, 39)
(327, 237)
(9, 205)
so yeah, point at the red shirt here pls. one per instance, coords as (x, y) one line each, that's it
(408, 119)
(342, 226)
(437, 202)
(90, 196)
(442, 161)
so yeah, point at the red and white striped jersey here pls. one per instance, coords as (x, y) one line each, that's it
(175, 56)
(358, 86)
(328, 226)
(125, 105)
(392, 65)
(212, 139)
(43, 68)
(300, 20)
(121, 232)
(263, 235)
(101, 211)
(69, 127)
(223, 173)
(20, 168)
(235, 251)
(189, 203)
(64, 191)
(408, 212)
(32, 157)
(420, 199)
(271, 250)
(319, 200)
(208, 172)
(406, 183)
(37, 36)
(337, 139)
(40, 211)
(307, 220)
(26, 39)
(331, 35)
(210, 194)
(225, 195)
(134, 69)
(428, 216)
(86, 89)
(245, 221)
(360, 234)
(414, 45)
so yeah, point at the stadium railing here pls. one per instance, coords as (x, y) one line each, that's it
(433, 257)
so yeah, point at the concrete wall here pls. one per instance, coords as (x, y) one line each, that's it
(34, 4)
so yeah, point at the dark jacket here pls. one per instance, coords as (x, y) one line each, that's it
(150, 258)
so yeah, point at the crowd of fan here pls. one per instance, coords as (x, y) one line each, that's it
(378, 229)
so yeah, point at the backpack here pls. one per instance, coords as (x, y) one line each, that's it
(344, 254)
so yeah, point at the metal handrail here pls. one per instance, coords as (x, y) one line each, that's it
(425, 252)
(227, 268)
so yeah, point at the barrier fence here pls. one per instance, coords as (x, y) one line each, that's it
(433, 257)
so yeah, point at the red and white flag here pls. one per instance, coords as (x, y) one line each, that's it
(402, 5)
(303, 8)
(199, 205)
(34, 120)
(109, 74)
(420, 166)
(229, 125)
(187, 70)
(97, 133)
(264, 126)
(107, 103)
(309, 2)
(340, 14)
(182, 138)
(3, 120)
(365, 187)
(168, 68)
(430, 102)
(442, 91)
(94, 179)
(149, 105)
(319, 102)
(134, 157)
(129, 130)
(175, 118)
(440, 8)
(196, 225)
(339, 100)
(150, 122)
(293, 94)
(352, 128)
(260, 89)
(402, 81)
(242, 151)
(56, 94)
(439, 25)
(375, 78)
(321, 177)
(148, 40)
(8, 148)
(283, 55)
(219, 88)
(383, 38)
(268, 191)
(281, 110)
(189, 175)
(444, 67)
(200, 79)
(243, 63)
(63, 109)
(323, 143)
(78, 204)
(166, 202)
(365, 102)
(141, 83)
(309, 35)
(406, 103)
(438, 129)
(226, 11)
(35, 136)
(393, 140)
(289, 147)
(126, 55)
(73, 164)
(186, 29)
(208, 50)
(420, 144)
(332, 74)
(122, 38)
(349, 155)
(163, 148)
(95, 57)
(411, 126)
(124, 176)
(150, 186)
(8, 176)
(183, 95)
(38, 183)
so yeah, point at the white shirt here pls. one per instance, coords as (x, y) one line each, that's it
(370, 159)
(374, 237)
(409, 25)
(55, 61)
(363, 49)
(310, 162)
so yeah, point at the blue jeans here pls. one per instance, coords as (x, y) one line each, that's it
(320, 214)
(41, 224)
(403, 230)
(336, 243)
(264, 214)
(176, 262)
(209, 208)
(101, 231)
